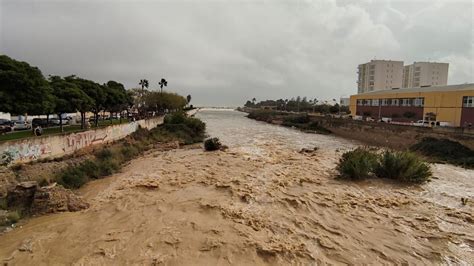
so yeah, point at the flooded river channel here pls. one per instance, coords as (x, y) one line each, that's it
(260, 202)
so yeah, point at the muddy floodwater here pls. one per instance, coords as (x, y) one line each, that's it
(260, 202)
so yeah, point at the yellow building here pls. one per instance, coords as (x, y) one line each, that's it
(449, 105)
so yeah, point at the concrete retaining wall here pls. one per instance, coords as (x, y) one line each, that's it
(36, 148)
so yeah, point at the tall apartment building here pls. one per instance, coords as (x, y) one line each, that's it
(420, 74)
(379, 75)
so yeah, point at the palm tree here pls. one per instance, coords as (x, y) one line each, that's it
(143, 83)
(188, 98)
(162, 83)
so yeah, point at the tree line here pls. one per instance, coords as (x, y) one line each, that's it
(299, 104)
(24, 90)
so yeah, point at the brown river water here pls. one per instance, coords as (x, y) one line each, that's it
(260, 202)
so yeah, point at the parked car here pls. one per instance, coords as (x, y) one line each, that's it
(57, 122)
(21, 125)
(5, 126)
(422, 123)
(42, 122)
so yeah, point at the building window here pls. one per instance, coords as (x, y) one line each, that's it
(359, 102)
(375, 102)
(468, 101)
(404, 102)
(395, 102)
(419, 102)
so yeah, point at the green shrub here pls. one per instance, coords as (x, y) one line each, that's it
(297, 119)
(175, 118)
(13, 217)
(265, 115)
(196, 125)
(403, 166)
(445, 150)
(3, 204)
(73, 177)
(108, 167)
(90, 168)
(357, 164)
(104, 154)
(140, 134)
(212, 144)
(188, 129)
(315, 126)
(130, 151)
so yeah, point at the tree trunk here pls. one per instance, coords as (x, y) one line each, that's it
(82, 120)
(61, 123)
(47, 119)
(96, 119)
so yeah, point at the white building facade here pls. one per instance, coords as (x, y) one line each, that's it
(379, 75)
(422, 74)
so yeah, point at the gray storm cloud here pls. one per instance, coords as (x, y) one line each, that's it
(223, 53)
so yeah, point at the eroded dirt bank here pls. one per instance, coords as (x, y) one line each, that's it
(260, 202)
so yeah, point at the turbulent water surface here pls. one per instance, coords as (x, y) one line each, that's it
(259, 202)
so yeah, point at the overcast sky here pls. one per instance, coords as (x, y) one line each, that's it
(225, 52)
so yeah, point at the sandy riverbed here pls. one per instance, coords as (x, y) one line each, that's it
(263, 205)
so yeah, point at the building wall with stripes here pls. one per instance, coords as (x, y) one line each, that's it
(445, 106)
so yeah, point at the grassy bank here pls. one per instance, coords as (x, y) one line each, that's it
(445, 150)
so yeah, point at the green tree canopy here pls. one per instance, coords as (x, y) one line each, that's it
(23, 88)
(117, 97)
(157, 101)
(69, 97)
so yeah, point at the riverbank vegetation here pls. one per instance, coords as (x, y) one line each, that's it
(299, 104)
(108, 160)
(445, 150)
(73, 171)
(300, 121)
(303, 122)
(212, 144)
(402, 166)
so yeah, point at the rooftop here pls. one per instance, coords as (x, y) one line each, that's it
(458, 87)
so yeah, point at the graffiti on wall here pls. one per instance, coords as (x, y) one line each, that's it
(77, 141)
(28, 151)
(37, 148)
